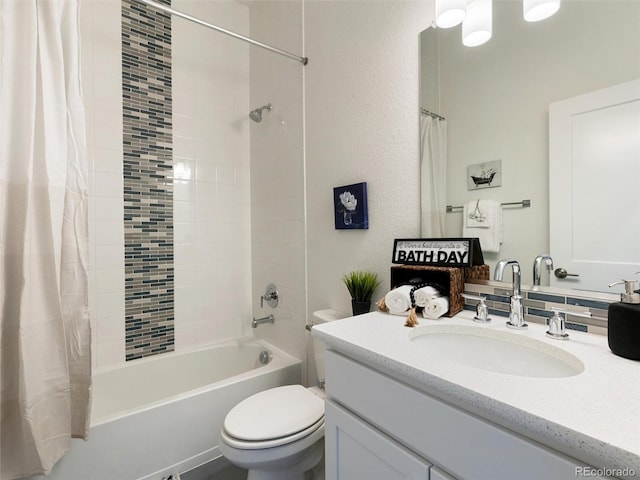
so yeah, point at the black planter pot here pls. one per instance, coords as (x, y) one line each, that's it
(358, 308)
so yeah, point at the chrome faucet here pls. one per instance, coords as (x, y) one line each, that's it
(516, 315)
(260, 321)
(537, 267)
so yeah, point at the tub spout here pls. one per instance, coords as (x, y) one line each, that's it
(260, 321)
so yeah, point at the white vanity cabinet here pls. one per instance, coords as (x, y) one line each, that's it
(361, 451)
(380, 428)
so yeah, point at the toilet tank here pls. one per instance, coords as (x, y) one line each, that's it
(320, 317)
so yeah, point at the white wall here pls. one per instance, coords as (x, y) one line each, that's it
(361, 94)
(211, 207)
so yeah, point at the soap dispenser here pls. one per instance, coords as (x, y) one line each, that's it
(624, 322)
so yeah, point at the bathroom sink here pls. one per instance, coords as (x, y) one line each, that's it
(495, 351)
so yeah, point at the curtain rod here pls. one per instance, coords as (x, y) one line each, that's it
(164, 8)
(424, 111)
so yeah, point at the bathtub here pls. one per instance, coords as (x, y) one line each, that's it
(158, 416)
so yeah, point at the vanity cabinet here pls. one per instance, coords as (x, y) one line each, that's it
(379, 427)
(361, 451)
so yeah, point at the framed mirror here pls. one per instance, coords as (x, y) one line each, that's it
(496, 100)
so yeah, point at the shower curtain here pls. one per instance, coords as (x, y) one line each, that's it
(45, 359)
(433, 176)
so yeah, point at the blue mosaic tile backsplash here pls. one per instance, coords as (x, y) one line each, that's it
(538, 306)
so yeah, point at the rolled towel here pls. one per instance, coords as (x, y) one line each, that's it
(398, 300)
(424, 294)
(436, 308)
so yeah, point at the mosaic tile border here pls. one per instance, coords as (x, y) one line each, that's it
(538, 304)
(148, 180)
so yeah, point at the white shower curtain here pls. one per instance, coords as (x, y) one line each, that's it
(45, 359)
(433, 176)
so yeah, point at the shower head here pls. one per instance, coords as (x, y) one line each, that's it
(256, 115)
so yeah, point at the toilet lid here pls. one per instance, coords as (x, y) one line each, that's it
(277, 412)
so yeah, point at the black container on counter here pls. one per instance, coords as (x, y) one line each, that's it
(624, 322)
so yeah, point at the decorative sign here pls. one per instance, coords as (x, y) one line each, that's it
(439, 252)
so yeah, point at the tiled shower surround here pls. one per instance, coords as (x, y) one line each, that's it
(214, 183)
(148, 180)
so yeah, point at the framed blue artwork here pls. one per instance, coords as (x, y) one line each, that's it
(350, 206)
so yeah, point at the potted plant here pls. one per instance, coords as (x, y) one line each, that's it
(361, 286)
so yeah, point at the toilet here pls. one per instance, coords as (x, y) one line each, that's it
(278, 434)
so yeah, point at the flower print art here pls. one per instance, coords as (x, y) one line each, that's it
(350, 205)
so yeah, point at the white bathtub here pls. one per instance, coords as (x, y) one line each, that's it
(161, 415)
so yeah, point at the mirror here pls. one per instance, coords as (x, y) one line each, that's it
(496, 100)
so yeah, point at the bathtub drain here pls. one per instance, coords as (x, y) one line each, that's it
(265, 357)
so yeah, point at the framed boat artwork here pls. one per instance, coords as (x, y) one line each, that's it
(484, 175)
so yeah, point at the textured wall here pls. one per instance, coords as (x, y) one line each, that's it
(361, 93)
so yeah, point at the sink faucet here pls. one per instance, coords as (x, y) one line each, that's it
(537, 267)
(516, 315)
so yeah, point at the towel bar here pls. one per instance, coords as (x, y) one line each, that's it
(523, 204)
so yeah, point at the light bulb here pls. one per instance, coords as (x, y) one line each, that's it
(450, 13)
(476, 27)
(536, 10)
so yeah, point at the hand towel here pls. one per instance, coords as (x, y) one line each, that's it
(436, 308)
(398, 300)
(475, 216)
(424, 294)
(489, 231)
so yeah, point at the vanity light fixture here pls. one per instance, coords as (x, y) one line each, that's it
(476, 26)
(450, 13)
(536, 10)
(476, 16)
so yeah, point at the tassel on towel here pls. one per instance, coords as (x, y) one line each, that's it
(382, 305)
(412, 319)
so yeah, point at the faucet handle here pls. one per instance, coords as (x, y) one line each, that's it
(482, 311)
(270, 295)
(557, 323)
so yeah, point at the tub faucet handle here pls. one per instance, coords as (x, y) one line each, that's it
(271, 295)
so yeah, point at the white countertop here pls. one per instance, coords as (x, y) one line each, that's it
(593, 416)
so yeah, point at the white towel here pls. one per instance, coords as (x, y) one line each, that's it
(398, 300)
(436, 308)
(489, 230)
(424, 294)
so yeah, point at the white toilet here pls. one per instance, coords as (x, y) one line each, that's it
(278, 434)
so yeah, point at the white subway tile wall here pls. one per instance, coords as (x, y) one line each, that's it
(211, 204)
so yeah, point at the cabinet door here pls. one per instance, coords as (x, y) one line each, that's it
(355, 450)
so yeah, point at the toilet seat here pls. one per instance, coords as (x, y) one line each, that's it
(274, 442)
(273, 417)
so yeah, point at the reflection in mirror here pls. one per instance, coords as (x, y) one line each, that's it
(496, 101)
